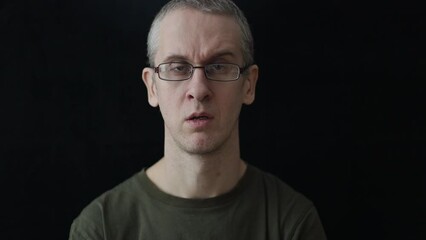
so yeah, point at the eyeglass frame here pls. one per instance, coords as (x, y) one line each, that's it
(241, 70)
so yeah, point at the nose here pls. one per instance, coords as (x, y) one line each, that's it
(198, 86)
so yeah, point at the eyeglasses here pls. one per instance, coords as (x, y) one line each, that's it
(178, 71)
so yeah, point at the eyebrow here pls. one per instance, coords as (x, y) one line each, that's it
(178, 57)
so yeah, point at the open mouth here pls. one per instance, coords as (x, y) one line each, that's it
(199, 118)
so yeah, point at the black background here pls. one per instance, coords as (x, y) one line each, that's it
(338, 111)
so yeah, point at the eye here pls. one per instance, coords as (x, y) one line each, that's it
(179, 68)
(218, 68)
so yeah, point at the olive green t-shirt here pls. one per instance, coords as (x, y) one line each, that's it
(260, 207)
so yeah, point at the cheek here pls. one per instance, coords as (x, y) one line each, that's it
(168, 112)
(168, 102)
(166, 94)
(231, 102)
(232, 95)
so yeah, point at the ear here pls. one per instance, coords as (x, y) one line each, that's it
(148, 79)
(250, 84)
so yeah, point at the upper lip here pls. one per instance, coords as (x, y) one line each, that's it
(198, 115)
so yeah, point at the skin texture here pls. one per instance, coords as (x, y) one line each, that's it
(201, 156)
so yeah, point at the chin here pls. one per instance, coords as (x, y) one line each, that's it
(201, 148)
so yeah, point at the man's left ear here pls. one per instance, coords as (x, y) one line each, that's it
(250, 84)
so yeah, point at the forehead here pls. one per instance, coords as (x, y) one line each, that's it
(197, 36)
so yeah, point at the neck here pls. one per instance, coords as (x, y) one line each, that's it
(196, 178)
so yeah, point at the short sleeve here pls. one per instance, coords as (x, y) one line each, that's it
(88, 225)
(310, 227)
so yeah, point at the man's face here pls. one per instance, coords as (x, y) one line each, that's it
(200, 115)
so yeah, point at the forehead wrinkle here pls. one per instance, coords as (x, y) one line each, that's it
(216, 56)
(198, 43)
(203, 47)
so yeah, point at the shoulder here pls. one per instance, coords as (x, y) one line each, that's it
(122, 192)
(91, 220)
(297, 215)
(273, 185)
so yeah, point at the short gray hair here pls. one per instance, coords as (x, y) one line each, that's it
(221, 7)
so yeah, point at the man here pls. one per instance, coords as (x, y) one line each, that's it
(201, 73)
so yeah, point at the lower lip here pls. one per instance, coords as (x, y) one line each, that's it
(198, 123)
